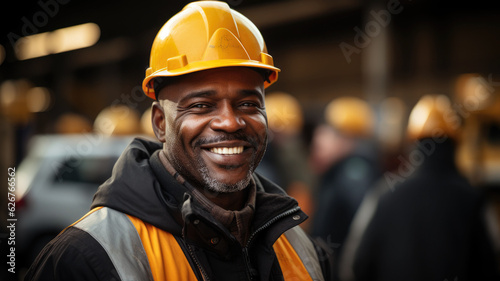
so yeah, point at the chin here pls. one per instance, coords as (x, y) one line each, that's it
(220, 186)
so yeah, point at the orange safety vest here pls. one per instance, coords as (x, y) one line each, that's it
(149, 253)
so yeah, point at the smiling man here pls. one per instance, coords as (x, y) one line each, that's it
(190, 206)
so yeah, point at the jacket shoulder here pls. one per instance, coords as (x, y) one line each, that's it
(72, 255)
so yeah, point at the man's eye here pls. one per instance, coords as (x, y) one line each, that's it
(249, 104)
(199, 105)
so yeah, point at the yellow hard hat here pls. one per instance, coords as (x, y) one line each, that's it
(432, 117)
(350, 116)
(206, 35)
(473, 92)
(117, 120)
(284, 113)
(71, 123)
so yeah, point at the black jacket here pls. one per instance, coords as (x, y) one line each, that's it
(429, 226)
(141, 187)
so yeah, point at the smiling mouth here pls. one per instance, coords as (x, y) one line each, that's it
(227, 150)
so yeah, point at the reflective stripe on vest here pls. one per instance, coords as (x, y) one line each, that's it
(149, 253)
(115, 233)
(297, 257)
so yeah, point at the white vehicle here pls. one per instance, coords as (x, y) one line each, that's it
(56, 183)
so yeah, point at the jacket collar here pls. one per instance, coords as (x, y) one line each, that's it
(135, 187)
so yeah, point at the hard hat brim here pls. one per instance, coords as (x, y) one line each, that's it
(147, 84)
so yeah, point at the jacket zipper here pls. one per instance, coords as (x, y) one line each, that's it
(200, 268)
(250, 270)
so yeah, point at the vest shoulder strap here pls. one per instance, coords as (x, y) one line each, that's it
(297, 256)
(125, 250)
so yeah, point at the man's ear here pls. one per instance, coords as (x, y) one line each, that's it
(158, 121)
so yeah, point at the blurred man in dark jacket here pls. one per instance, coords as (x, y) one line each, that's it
(429, 225)
(345, 157)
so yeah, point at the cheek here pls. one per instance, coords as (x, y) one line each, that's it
(262, 119)
(189, 129)
(259, 124)
(171, 133)
(169, 109)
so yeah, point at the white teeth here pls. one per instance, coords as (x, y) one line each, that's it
(227, 150)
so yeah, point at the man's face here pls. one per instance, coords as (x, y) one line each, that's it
(214, 126)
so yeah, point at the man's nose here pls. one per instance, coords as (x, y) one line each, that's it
(227, 119)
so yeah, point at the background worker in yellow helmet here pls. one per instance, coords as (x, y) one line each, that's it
(285, 161)
(190, 206)
(429, 224)
(345, 159)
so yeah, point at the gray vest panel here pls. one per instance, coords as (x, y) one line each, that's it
(306, 252)
(119, 238)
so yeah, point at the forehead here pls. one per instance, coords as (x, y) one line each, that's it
(219, 79)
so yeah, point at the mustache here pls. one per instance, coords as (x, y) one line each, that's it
(227, 137)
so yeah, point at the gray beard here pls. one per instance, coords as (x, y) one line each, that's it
(212, 186)
(216, 186)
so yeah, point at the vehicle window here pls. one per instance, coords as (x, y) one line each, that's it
(84, 170)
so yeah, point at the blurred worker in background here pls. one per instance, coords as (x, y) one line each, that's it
(117, 120)
(190, 207)
(346, 160)
(285, 161)
(71, 123)
(429, 225)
